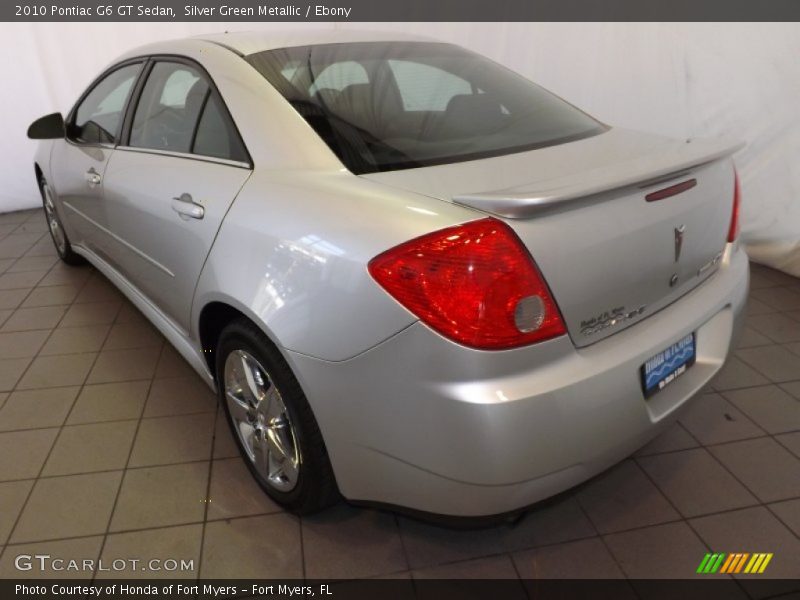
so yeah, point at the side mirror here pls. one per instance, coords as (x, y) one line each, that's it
(49, 127)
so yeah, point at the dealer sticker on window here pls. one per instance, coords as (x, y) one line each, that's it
(669, 364)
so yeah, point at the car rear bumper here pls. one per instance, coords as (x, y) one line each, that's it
(424, 423)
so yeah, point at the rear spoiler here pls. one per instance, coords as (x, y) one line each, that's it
(667, 162)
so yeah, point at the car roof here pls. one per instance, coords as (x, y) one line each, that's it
(250, 42)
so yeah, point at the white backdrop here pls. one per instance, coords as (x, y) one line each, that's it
(677, 79)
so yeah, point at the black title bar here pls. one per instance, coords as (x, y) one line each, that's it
(401, 10)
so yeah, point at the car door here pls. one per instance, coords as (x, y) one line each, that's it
(79, 161)
(168, 187)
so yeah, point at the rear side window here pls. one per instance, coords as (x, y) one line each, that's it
(179, 112)
(98, 117)
(169, 107)
(216, 136)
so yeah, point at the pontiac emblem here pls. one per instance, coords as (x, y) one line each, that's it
(679, 231)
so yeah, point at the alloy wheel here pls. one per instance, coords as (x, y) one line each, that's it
(53, 222)
(261, 420)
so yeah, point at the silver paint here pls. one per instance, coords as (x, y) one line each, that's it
(409, 417)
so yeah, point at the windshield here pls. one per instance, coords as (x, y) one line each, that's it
(383, 106)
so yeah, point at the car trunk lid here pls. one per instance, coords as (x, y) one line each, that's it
(611, 251)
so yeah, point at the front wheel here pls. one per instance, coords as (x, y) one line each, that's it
(57, 232)
(272, 422)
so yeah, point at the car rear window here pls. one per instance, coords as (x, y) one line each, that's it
(383, 106)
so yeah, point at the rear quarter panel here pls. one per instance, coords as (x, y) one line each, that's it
(292, 254)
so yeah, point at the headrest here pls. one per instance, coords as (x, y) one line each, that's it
(473, 114)
(195, 97)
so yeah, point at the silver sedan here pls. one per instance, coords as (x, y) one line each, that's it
(414, 277)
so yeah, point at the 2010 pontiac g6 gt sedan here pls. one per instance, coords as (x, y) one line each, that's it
(414, 277)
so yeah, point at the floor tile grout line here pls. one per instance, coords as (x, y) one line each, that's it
(53, 258)
(403, 545)
(750, 387)
(779, 385)
(712, 445)
(47, 339)
(84, 423)
(664, 495)
(129, 468)
(153, 528)
(29, 287)
(519, 575)
(658, 488)
(689, 433)
(772, 340)
(524, 548)
(153, 379)
(736, 477)
(750, 439)
(139, 379)
(601, 537)
(31, 290)
(49, 452)
(30, 247)
(680, 518)
(127, 461)
(768, 506)
(782, 443)
(687, 518)
(208, 490)
(759, 371)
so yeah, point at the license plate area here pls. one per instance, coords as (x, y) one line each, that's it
(665, 367)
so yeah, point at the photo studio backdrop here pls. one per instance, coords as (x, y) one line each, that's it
(677, 79)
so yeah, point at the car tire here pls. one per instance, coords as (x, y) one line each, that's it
(56, 229)
(272, 422)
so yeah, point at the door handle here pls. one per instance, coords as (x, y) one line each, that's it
(93, 177)
(187, 208)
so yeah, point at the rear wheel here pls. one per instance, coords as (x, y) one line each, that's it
(272, 422)
(57, 232)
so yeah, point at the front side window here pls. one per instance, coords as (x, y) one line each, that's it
(382, 106)
(98, 117)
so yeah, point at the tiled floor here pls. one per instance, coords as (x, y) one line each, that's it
(112, 447)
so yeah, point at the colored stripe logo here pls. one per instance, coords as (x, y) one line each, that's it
(736, 562)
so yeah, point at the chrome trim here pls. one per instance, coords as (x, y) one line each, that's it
(128, 245)
(679, 233)
(189, 156)
(187, 208)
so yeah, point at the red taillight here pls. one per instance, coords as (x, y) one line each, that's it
(733, 230)
(474, 283)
